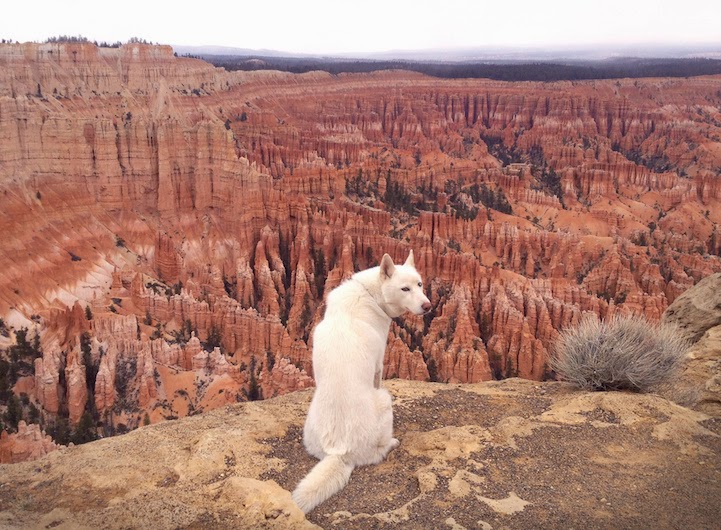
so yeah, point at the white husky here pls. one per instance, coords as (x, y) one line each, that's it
(350, 420)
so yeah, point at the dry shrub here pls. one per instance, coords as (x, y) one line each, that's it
(622, 353)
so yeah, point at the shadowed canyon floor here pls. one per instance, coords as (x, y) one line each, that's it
(510, 454)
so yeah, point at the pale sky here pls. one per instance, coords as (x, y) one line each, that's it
(338, 26)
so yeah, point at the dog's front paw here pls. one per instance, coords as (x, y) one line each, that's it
(394, 443)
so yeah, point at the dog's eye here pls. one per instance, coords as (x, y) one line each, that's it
(420, 284)
(405, 288)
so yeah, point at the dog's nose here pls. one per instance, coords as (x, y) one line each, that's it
(426, 306)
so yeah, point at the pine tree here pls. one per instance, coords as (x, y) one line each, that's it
(85, 430)
(60, 431)
(214, 339)
(14, 413)
(319, 272)
(254, 391)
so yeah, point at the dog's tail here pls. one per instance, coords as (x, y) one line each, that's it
(327, 478)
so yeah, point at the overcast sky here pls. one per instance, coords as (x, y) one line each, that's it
(338, 26)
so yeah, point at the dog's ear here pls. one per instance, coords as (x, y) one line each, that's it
(410, 261)
(387, 267)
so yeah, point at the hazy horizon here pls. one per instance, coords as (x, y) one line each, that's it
(324, 27)
(485, 53)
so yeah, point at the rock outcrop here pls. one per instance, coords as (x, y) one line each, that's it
(697, 316)
(28, 443)
(697, 310)
(508, 454)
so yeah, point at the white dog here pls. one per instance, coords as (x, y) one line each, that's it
(350, 420)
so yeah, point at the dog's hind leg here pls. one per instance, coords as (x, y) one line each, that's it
(311, 438)
(384, 407)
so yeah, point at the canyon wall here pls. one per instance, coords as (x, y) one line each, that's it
(171, 229)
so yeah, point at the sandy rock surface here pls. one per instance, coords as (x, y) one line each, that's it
(698, 309)
(511, 454)
(697, 314)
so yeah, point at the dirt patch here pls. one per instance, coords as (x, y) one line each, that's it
(713, 425)
(460, 407)
(601, 415)
(289, 449)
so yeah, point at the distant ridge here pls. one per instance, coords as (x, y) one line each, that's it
(500, 70)
(586, 53)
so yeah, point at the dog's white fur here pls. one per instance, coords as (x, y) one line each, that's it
(350, 419)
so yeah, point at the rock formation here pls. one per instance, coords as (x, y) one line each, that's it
(28, 443)
(172, 198)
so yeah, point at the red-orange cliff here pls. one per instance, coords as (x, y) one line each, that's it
(202, 215)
